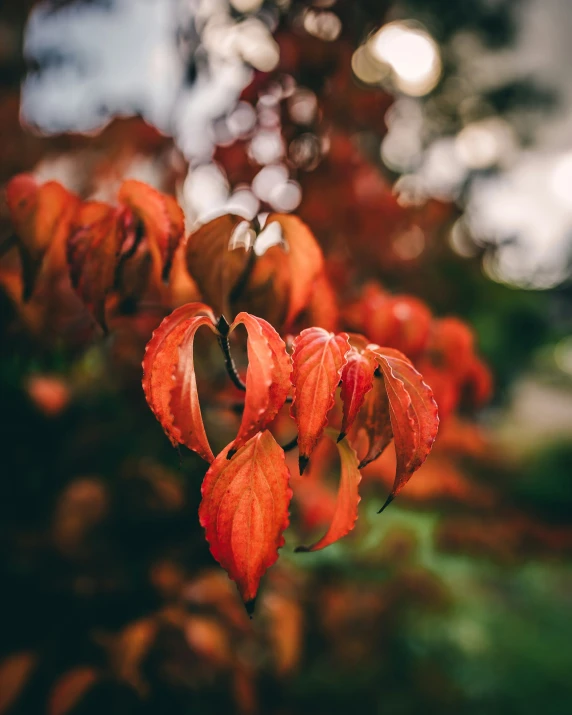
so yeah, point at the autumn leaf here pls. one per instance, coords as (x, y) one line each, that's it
(272, 274)
(318, 359)
(346, 510)
(15, 671)
(357, 381)
(374, 420)
(413, 414)
(70, 688)
(169, 380)
(162, 218)
(41, 216)
(217, 256)
(402, 322)
(244, 511)
(267, 377)
(93, 248)
(304, 261)
(452, 345)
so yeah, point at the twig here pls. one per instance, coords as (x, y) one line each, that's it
(224, 343)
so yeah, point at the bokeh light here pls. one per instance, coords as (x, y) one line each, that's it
(411, 53)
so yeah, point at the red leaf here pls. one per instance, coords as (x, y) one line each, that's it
(357, 381)
(399, 321)
(267, 377)
(346, 511)
(303, 258)
(169, 380)
(318, 359)
(41, 215)
(375, 421)
(162, 219)
(92, 252)
(413, 413)
(244, 511)
(215, 263)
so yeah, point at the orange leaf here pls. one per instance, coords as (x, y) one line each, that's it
(70, 688)
(304, 258)
(15, 671)
(267, 377)
(413, 414)
(169, 380)
(318, 358)
(244, 511)
(41, 215)
(92, 252)
(375, 421)
(357, 381)
(162, 218)
(346, 511)
(215, 263)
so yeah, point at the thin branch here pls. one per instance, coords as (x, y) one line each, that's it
(292, 444)
(224, 344)
(229, 363)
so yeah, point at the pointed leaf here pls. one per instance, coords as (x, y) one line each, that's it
(304, 259)
(162, 218)
(169, 380)
(375, 421)
(244, 510)
(216, 261)
(318, 359)
(41, 215)
(92, 252)
(413, 413)
(357, 381)
(348, 498)
(267, 377)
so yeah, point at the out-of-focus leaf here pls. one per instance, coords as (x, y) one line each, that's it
(41, 216)
(70, 688)
(162, 218)
(92, 253)
(217, 258)
(14, 673)
(402, 322)
(304, 261)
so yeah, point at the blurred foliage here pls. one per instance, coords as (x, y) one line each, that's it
(456, 600)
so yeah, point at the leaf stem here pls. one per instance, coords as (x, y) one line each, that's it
(224, 343)
(292, 444)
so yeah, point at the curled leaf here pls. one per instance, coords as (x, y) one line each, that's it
(375, 422)
(169, 380)
(318, 359)
(162, 218)
(267, 377)
(357, 381)
(413, 414)
(304, 261)
(216, 259)
(346, 510)
(41, 216)
(244, 511)
(93, 249)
